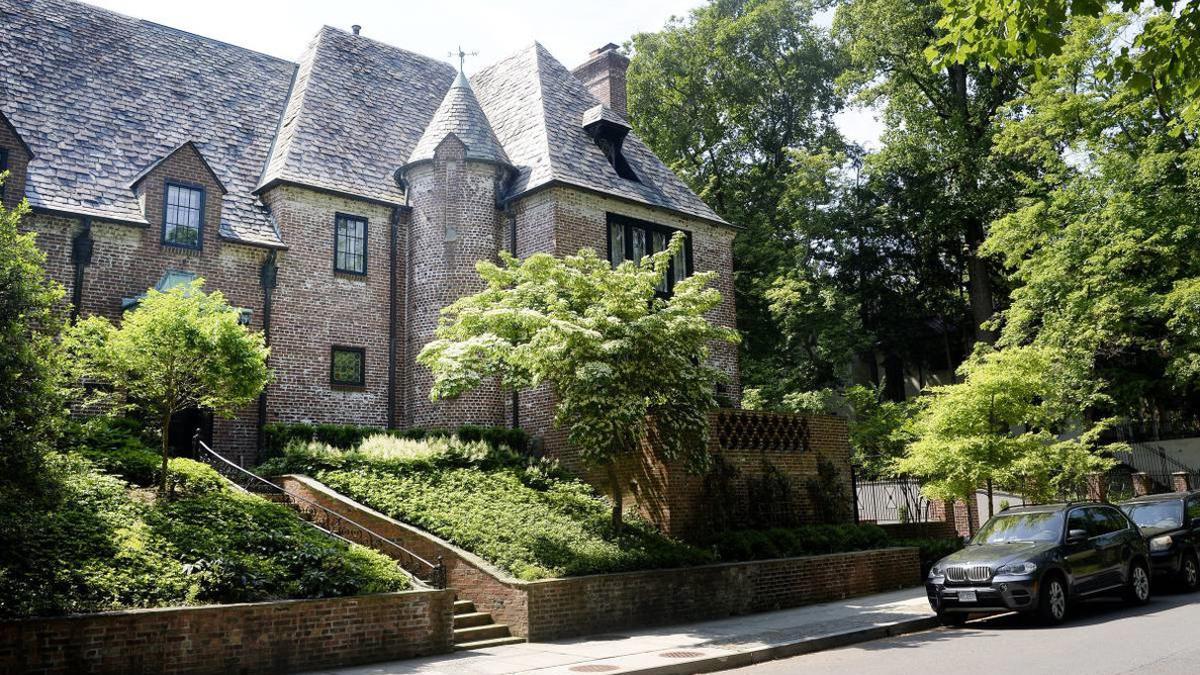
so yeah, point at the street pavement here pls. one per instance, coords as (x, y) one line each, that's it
(687, 648)
(1101, 638)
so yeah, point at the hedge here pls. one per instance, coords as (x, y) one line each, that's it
(347, 436)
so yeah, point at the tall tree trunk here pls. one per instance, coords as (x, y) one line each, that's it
(166, 451)
(979, 279)
(614, 482)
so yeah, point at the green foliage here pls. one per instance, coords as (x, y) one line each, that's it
(188, 478)
(738, 99)
(829, 493)
(1005, 425)
(879, 431)
(178, 350)
(31, 401)
(526, 520)
(1162, 57)
(92, 546)
(931, 550)
(615, 353)
(115, 445)
(347, 436)
(738, 545)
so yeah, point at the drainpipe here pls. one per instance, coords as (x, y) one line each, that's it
(267, 278)
(392, 311)
(512, 248)
(81, 257)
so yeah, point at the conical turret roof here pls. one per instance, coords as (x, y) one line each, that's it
(460, 114)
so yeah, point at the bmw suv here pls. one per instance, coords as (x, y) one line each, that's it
(1171, 525)
(1037, 559)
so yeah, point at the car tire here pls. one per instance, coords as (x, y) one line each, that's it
(952, 619)
(1189, 573)
(1053, 601)
(1137, 585)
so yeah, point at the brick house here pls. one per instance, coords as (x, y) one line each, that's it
(339, 201)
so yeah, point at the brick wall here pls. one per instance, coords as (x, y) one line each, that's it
(275, 637)
(566, 607)
(18, 160)
(555, 608)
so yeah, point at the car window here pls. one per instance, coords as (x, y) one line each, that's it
(1193, 508)
(1157, 514)
(1027, 526)
(1078, 520)
(1112, 520)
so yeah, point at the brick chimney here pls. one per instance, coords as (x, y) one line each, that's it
(604, 75)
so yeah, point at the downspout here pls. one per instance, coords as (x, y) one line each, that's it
(511, 216)
(268, 275)
(407, 374)
(81, 257)
(392, 332)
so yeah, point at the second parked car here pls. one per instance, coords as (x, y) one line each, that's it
(1038, 559)
(1171, 525)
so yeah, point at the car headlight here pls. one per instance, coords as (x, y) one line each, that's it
(1020, 568)
(1161, 543)
(935, 571)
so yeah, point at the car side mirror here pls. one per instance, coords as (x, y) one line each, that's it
(1196, 522)
(1077, 537)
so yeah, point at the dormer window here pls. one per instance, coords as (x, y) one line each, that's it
(183, 215)
(608, 131)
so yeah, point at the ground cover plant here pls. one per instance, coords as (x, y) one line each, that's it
(530, 519)
(101, 543)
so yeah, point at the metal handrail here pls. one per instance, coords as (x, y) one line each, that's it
(333, 523)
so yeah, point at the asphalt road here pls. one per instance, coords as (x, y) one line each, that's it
(1102, 637)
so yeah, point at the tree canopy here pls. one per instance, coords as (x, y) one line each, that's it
(180, 349)
(624, 361)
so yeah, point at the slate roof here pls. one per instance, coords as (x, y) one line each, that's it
(355, 114)
(99, 97)
(536, 107)
(460, 114)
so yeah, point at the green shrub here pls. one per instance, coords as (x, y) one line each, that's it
(189, 478)
(94, 547)
(740, 545)
(116, 445)
(931, 549)
(279, 435)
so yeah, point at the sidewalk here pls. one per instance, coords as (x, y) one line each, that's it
(688, 648)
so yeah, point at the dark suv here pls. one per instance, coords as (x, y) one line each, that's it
(1038, 559)
(1171, 525)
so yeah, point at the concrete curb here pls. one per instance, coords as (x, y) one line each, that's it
(816, 643)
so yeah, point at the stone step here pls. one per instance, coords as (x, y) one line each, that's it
(480, 644)
(470, 619)
(463, 607)
(477, 633)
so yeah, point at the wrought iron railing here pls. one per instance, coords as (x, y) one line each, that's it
(891, 501)
(323, 518)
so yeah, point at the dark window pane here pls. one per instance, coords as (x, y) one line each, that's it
(616, 243)
(183, 215)
(350, 245)
(639, 243)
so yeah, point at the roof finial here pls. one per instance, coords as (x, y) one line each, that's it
(462, 57)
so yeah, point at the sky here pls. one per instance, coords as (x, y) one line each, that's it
(570, 29)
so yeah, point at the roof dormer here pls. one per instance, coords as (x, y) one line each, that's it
(14, 158)
(608, 130)
(181, 195)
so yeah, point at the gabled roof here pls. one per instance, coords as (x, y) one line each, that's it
(186, 145)
(356, 112)
(536, 107)
(99, 96)
(460, 115)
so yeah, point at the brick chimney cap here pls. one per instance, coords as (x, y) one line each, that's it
(610, 47)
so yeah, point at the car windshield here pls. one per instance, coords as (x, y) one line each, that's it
(1031, 526)
(1155, 514)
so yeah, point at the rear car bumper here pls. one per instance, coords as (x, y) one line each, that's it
(1018, 594)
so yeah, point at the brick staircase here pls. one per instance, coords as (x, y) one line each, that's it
(475, 630)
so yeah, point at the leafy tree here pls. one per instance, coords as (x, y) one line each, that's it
(1014, 422)
(1163, 58)
(31, 398)
(177, 350)
(935, 171)
(738, 98)
(1103, 250)
(615, 353)
(879, 430)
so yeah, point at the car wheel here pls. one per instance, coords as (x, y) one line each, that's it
(952, 619)
(1052, 603)
(1137, 587)
(1189, 573)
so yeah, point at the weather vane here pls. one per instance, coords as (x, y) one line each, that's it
(462, 56)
